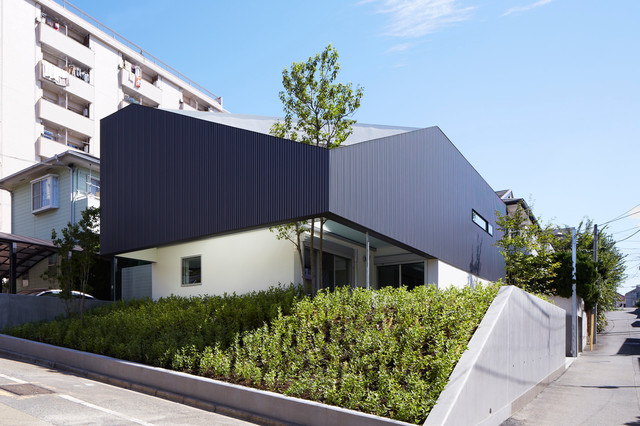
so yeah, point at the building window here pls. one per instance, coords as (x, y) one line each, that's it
(407, 274)
(44, 193)
(191, 270)
(93, 186)
(481, 222)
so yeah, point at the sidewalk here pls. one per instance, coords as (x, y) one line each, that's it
(601, 387)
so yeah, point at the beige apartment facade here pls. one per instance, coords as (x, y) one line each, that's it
(61, 71)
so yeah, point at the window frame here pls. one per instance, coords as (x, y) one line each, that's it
(183, 276)
(53, 196)
(485, 225)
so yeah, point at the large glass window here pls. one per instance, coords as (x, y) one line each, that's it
(481, 222)
(336, 270)
(191, 270)
(407, 274)
(44, 193)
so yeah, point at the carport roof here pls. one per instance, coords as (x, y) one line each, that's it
(29, 251)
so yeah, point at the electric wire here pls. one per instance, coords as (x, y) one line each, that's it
(622, 216)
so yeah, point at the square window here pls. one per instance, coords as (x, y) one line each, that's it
(191, 270)
(44, 193)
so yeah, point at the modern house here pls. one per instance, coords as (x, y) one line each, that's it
(194, 195)
(61, 71)
(46, 196)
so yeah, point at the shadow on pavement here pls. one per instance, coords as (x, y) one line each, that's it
(630, 347)
(634, 423)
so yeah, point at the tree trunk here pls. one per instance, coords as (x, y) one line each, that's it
(300, 256)
(320, 274)
(312, 256)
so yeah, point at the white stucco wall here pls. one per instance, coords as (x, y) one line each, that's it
(444, 275)
(241, 263)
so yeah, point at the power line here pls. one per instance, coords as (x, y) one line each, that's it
(619, 241)
(625, 230)
(622, 216)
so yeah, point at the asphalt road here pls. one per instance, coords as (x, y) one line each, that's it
(601, 387)
(35, 395)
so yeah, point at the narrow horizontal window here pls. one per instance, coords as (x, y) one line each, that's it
(481, 222)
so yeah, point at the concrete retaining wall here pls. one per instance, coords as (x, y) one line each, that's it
(565, 303)
(18, 309)
(518, 348)
(228, 399)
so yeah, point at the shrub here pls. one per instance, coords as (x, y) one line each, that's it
(387, 352)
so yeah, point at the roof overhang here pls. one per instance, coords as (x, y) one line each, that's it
(65, 159)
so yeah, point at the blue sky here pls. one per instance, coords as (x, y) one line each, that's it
(541, 96)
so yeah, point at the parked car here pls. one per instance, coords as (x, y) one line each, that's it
(54, 293)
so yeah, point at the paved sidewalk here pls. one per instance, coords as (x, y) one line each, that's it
(601, 387)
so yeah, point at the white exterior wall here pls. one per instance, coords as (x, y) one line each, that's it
(255, 260)
(443, 275)
(241, 263)
(21, 90)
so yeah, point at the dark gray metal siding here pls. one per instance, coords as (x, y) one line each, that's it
(168, 178)
(417, 188)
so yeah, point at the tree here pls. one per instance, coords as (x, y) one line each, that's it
(527, 250)
(317, 112)
(74, 266)
(610, 266)
(586, 277)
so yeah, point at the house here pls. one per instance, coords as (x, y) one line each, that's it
(63, 71)
(194, 198)
(45, 196)
(632, 297)
(620, 301)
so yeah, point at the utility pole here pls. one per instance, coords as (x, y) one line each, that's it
(574, 308)
(595, 260)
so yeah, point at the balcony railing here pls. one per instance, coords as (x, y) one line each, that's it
(48, 72)
(146, 89)
(140, 50)
(66, 118)
(78, 52)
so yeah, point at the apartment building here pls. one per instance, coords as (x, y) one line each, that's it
(61, 71)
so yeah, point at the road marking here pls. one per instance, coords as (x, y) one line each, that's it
(105, 410)
(13, 379)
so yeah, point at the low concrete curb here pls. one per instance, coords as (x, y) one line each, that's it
(212, 395)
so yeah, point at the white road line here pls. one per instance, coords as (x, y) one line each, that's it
(13, 379)
(104, 410)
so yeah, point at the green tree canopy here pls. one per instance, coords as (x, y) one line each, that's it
(318, 112)
(527, 250)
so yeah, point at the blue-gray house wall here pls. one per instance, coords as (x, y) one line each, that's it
(417, 188)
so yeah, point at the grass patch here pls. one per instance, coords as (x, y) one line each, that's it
(387, 352)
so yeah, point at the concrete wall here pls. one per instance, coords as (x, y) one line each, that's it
(583, 337)
(136, 282)
(16, 309)
(254, 405)
(517, 349)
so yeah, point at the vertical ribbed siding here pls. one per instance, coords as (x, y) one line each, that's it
(416, 188)
(168, 178)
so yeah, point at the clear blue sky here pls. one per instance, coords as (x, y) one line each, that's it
(541, 96)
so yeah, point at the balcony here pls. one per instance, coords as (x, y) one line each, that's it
(146, 89)
(59, 115)
(74, 85)
(66, 45)
(47, 148)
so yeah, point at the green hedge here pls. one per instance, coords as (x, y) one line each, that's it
(387, 352)
(152, 332)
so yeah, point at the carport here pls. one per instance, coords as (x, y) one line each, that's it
(18, 254)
